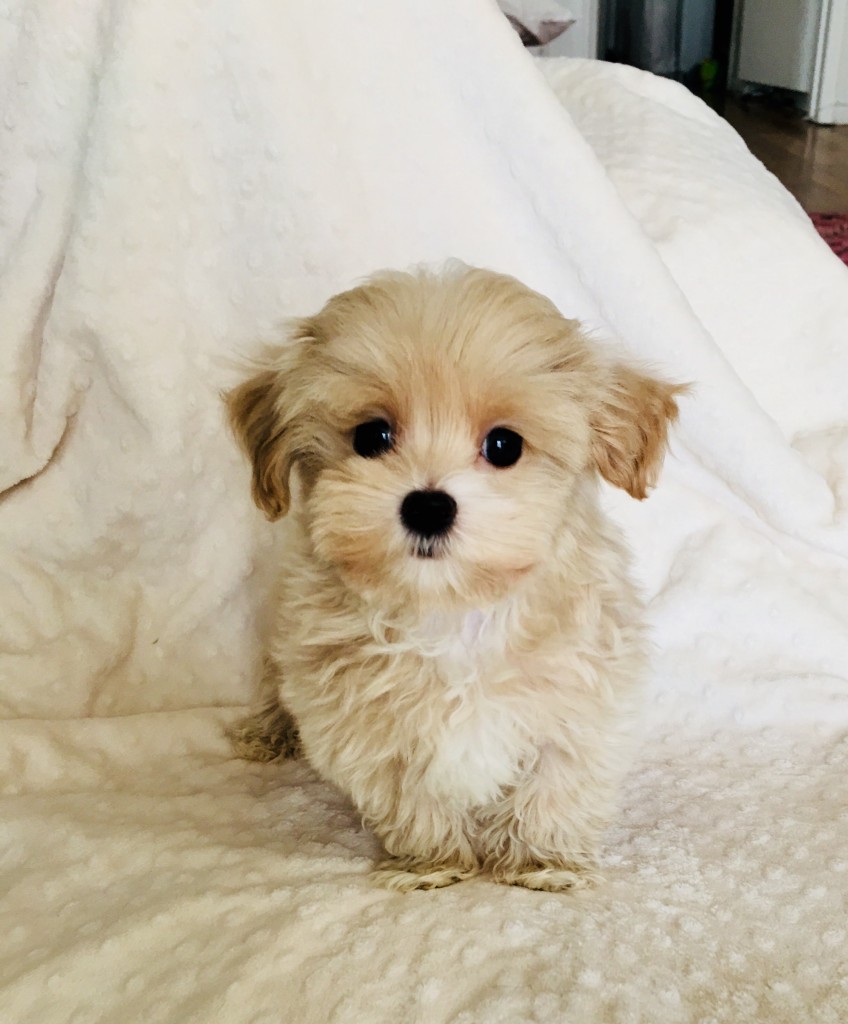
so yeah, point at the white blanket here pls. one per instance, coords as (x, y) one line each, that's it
(176, 179)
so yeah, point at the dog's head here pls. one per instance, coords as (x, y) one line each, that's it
(443, 428)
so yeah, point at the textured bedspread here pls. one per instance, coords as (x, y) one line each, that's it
(175, 180)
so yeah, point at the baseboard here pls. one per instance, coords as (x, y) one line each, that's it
(831, 114)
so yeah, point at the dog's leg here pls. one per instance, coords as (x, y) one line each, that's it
(405, 874)
(544, 833)
(269, 735)
(428, 845)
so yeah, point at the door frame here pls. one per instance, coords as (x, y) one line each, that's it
(826, 106)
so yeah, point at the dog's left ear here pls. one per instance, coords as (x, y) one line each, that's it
(630, 429)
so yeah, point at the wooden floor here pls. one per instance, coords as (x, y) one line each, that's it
(811, 161)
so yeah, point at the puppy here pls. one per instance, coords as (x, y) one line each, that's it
(457, 644)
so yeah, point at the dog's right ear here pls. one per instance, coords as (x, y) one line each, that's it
(263, 414)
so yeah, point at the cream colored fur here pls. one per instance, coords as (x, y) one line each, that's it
(474, 705)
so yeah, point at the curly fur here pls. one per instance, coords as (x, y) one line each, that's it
(475, 705)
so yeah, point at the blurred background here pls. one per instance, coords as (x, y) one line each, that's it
(776, 69)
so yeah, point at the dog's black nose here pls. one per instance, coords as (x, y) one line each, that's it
(428, 513)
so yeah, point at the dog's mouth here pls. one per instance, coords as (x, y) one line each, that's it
(428, 548)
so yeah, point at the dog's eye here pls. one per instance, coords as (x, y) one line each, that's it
(502, 447)
(372, 439)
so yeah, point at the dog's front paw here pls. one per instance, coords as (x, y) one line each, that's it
(404, 874)
(562, 878)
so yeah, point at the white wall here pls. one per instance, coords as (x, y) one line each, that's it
(581, 40)
(777, 43)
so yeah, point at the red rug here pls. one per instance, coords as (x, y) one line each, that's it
(833, 227)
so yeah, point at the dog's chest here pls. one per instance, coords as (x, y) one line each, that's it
(479, 743)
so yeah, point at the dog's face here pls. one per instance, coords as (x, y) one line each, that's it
(444, 428)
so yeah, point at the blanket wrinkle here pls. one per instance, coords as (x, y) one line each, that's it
(39, 198)
(179, 180)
